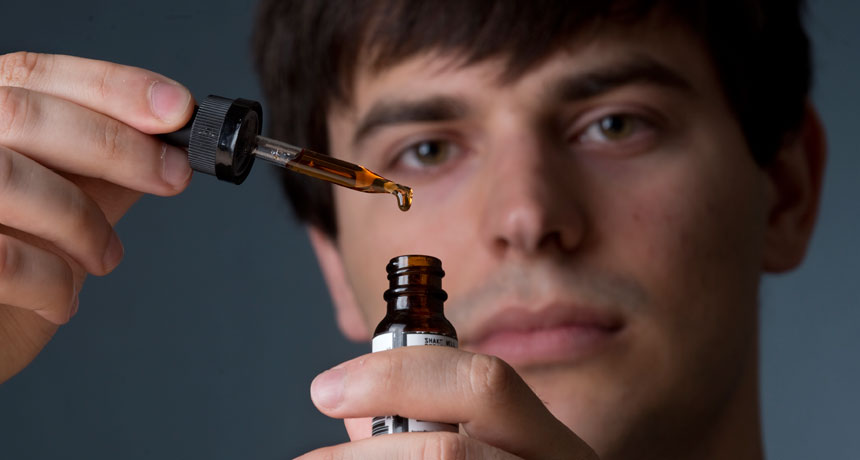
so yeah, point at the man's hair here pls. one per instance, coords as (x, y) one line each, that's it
(308, 52)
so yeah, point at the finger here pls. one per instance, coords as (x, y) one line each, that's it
(358, 428)
(63, 135)
(448, 385)
(414, 446)
(35, 279)
(35, 200)
(145, 100)
(22, 342)
(114, 200)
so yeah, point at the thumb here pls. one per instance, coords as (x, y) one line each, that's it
(358, 428)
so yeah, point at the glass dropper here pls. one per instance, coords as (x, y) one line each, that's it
(327, 168)
(223, 138)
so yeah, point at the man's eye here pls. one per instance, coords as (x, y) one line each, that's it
(612, 128)
(428, 154)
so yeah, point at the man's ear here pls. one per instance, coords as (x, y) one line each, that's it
(795, 182)
(346, 307)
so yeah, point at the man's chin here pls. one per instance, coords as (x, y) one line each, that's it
(596, 407)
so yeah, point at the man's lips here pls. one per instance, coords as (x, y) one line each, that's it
(555, 334)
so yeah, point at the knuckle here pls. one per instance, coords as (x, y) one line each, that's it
(442, 446)
(20, 68)
(13, 108)
(110, 140)
(77, 219)
(385, 369)
(103, 82)
(7, 169)
(83, 223)
(8, 257)
(489, 376)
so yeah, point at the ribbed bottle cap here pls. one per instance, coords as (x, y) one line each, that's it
(223, 136)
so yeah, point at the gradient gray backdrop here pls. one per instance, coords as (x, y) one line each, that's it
(203, 343)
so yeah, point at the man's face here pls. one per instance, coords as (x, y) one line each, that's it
(600, 220)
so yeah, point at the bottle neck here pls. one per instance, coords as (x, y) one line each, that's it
(415, 284)
(416, 303)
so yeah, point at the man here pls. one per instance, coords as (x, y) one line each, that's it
(604, 183)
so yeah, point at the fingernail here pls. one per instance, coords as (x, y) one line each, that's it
(168, 100)
(175, 167)
(327, 388)
(113, 253)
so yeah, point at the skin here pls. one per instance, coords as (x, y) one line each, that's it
(667, 227)
(75, 154)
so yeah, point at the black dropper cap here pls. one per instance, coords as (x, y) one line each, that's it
(220, 137)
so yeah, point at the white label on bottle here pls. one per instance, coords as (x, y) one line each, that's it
(391, 340)
(396, 424)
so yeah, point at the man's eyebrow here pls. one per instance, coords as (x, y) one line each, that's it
(640, 69)
(384, 113)
(592, 83)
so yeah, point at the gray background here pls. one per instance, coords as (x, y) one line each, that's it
(203, 343)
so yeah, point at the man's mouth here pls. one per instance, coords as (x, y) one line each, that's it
(558, 333)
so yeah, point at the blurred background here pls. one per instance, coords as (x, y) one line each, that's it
(203, 343)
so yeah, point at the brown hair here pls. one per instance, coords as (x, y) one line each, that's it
(307, 52)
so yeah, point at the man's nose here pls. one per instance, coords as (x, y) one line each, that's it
(534, 203)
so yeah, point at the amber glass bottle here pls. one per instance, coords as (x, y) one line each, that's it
(414, 317)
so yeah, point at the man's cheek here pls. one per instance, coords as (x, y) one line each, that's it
(694, 262)
(659, 241)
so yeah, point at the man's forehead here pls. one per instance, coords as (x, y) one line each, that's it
(662, 54)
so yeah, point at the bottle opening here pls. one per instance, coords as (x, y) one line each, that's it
(415, 275)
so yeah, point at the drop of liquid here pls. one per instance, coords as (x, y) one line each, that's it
(403, 194)
(404, 198)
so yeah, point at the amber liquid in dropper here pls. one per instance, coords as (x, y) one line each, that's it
(348, 175)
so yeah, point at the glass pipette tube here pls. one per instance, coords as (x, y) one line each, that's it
(327, 168)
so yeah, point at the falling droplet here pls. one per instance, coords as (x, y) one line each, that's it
(403, 194)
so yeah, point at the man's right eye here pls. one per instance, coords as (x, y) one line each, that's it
(428, 154)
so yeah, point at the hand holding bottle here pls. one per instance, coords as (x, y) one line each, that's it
(500, 416)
